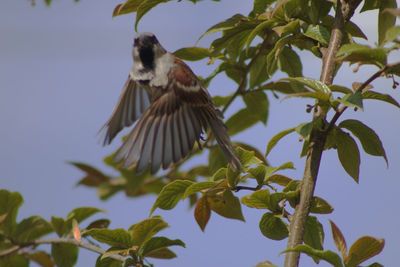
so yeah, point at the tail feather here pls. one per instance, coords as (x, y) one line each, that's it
(221, 135)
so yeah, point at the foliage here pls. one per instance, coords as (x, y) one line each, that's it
(249, 49)
(20, 240)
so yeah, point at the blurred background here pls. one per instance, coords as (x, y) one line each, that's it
(61, 71)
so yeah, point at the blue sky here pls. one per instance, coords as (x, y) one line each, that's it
(61, 72)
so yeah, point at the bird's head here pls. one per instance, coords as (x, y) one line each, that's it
(147, 49)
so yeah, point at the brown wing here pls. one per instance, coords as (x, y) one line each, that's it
(132, 102)
(172, 124)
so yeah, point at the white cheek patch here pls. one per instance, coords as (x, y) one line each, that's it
(162, 65)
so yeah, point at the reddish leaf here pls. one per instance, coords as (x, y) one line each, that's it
(202, 212)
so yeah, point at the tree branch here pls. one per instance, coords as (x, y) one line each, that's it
(360, 89)
(344, 11)
(242, 84)
(60, 241)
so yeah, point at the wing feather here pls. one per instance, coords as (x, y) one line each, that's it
(125, 112)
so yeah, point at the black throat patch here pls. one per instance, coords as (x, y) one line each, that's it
(147, 56)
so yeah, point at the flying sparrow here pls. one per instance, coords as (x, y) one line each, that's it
(171, 106)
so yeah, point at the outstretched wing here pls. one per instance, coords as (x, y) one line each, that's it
(169, 128)
(132, 102)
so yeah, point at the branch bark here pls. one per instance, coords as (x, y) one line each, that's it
(344, 11)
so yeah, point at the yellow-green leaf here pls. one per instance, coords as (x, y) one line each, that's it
(170, 195)
(258, 199)
(274, 140)
(146, 229)
(226, 205)
(340, 242)
(364, 248)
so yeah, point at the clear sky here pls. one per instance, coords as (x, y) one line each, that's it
(61, 72)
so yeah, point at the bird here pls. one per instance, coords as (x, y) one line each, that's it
(171, 109)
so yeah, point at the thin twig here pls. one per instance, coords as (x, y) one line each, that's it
(61, 241)
(359, 90)
(240, 187)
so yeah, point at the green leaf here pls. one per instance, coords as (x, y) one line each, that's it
(284, 87)
(128, 7)
(352, 100)
(279, 179)
(144, 7)
(93, 177)
(171, 194)
(220, 101)
(355, 53)
(348, 154)
(248, 157)
(313, 84)
(385, 20)
(192, 53)
(392, 34)
(289, 62)
(258, 72)
(258, 172)
(304, 129)
(313, 233)
(267, 24)
(273, 227)
(379, 96)
(14, 260)
(202, 212)
(257, 158)
(274, 140)
(197, 187)
(318, 33)
(216, 159)
(340, 89)
(224, 25)
(340, 242)
(59, 226)
(218, 175)
(261, 5)
(241, 120)
(258, 104)
(364, 248)
(259, 199)
(32, 228)
(320, 206)
(41, 258)
(82, 213)
(370, 5)
(65, 255)
(146, 229)
(101, 223)
(162, 253)
(107, 262)
(9, 205)
(368, 138)
(156, 243)
(119, 238)
(326, 255)
(292, 27)
(226, 205)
